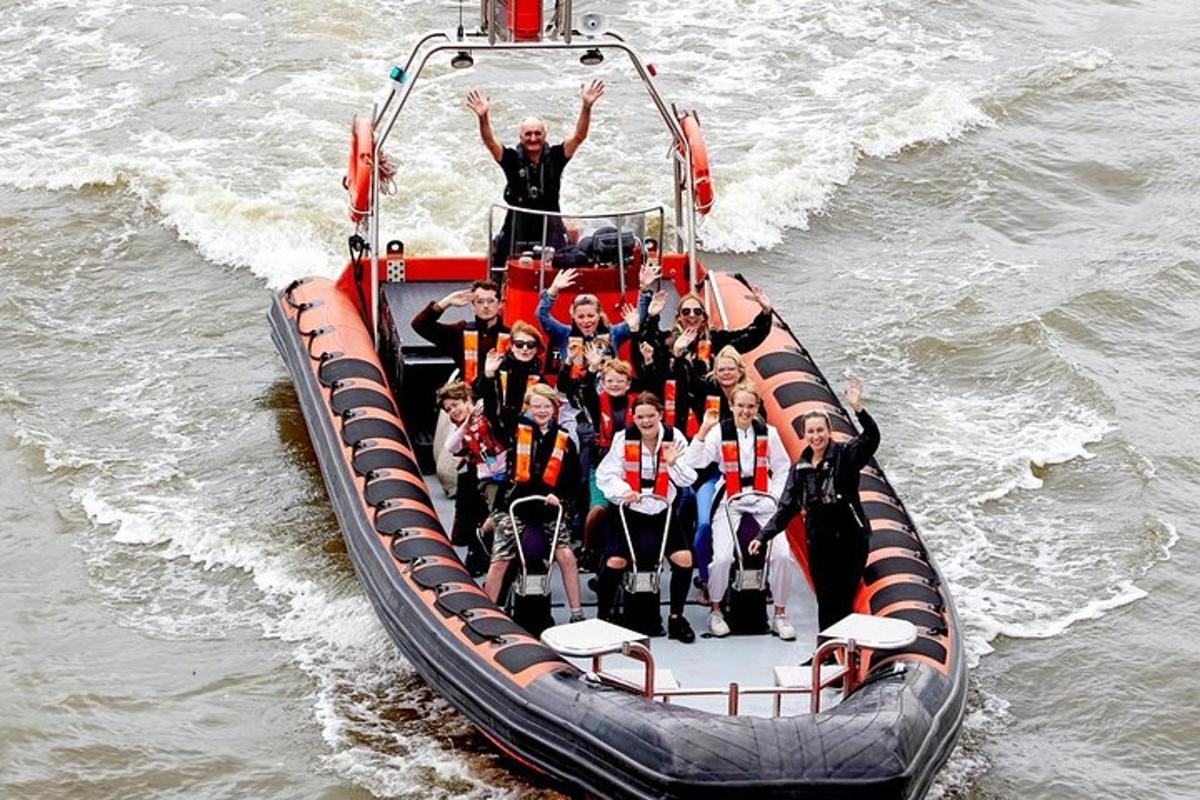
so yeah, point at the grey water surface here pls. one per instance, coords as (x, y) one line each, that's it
(986, 211)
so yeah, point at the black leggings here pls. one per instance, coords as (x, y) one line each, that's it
(836, 562)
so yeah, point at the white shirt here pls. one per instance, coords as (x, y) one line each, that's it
(701, 453)
(610, 475)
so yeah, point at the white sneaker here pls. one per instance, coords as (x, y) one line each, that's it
(717, 625)
(782, 628)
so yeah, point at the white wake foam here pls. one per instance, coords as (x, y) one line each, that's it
(257, 184)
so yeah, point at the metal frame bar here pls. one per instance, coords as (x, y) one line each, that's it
(737, 547)
(716, 297)
(399, 97)
(734, 691)
(620, 215)
(550, 559)
(662, 550)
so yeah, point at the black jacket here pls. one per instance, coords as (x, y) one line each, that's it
(448, 336)
(828, 491)
(502, 408)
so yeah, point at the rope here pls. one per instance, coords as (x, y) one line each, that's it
(358, 251)
(387, 174)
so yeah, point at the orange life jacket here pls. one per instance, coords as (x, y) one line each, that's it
(633, 461)
(529, 381)
(669, 390)
(731, 461)
(470, 355)
(524, 465)
(605, 430)
(575, 355)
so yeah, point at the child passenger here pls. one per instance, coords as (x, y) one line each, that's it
(481, 470)
(543, 460)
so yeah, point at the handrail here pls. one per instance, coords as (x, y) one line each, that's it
(720, 303)
(546, 215)
(732, 691)
(512, 516)
(737, 548)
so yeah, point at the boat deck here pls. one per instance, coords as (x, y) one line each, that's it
(709, 662)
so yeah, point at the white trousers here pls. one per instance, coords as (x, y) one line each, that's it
(783, 569)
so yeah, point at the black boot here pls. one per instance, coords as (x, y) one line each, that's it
(677, 625)
(681, 584)
(606, 592)
(678, 628)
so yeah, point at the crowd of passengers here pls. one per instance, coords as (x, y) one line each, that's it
(677, 426)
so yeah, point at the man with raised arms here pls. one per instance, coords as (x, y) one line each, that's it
(533, 171)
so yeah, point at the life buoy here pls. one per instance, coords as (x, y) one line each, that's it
(358, 171)
(704, 188)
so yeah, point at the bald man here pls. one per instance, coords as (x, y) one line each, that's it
(533, 172)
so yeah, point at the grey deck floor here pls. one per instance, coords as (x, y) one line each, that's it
(708, 662)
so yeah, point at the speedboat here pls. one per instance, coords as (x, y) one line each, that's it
(869, 707)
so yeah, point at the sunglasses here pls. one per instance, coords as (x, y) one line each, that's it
(524, 344)
(691, 311)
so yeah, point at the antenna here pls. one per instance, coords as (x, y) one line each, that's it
(460, 20)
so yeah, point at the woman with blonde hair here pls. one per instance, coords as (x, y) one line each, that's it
(588, 322)
(690, 344)
(752, 462)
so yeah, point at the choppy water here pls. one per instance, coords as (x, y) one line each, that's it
(985, 210)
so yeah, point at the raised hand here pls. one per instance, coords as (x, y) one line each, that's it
(648, 274)
(589, 94)
(711, 417)
(563, 280)
(630, 314)
(492, 363)
(462, 297)
(594, 353)
(478, 103)
(671, 454)
(657, 304)
(854, 394)
(683, 341)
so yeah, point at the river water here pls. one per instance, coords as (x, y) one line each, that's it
(984, 210)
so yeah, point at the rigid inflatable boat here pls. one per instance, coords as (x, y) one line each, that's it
(598, 709)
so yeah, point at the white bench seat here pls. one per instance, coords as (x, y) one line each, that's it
(873, 633)
(590, 638)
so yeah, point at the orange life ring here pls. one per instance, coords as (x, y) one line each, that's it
(358, 171)
(704, 187)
